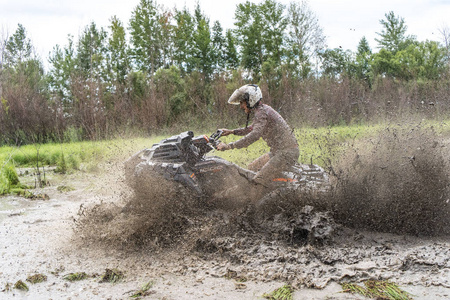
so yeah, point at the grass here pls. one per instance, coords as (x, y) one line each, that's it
(317, 145)
(75, 276)
(37, 278)
(377, 289)
(144, 291)
(64, 188)
(20, 285)
(67, 157)
(112, 276)
(283, 293)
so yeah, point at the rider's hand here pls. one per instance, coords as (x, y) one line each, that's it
(226, 132)
(223, 147)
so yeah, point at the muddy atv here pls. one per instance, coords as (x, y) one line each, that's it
(180, 165)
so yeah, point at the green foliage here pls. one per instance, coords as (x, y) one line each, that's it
(20, 285)
(248, 32)
(118, 61)
(304, 41)
(148, 26)
(203, 48)
(103, 82)
(112, 276)
(317, 145)
(144, 291)
(37, 278)
(171, 87)
(393, 35)
(361, 66)
(62, 67)
(72, 134)
(76, 276)
(283, 293)
(184, 44)
(61, 166)
(138, 87)
(231, 55)
(336, 62)
(11, 175)
(377, 289)
(18, 48)
(91, 52)
(8, 178)
(419, 60)
(64, 189)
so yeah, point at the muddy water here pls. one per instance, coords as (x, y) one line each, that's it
(206, 262)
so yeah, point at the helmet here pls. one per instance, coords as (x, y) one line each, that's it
(249, 93)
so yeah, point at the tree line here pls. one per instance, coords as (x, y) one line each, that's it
(169, 68)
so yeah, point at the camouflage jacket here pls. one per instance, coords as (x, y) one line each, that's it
(268, 125)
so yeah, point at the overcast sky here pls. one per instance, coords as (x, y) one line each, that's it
(345, 22)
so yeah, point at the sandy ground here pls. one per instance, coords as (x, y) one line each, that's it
(37, 236)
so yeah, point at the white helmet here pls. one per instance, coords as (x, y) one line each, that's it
(249, 93)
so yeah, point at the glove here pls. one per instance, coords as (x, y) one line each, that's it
(223, 147)
(226, 132)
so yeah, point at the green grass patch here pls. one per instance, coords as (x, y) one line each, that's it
(144, 291)
(64, 189)
(283, 293)
(377, 289)
(37, 278)
(72, 156)
(112, 276)
(75, 276)
(317, 145)
(9, 180)
(20, 285)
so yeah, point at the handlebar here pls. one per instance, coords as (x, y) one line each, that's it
(216, 136)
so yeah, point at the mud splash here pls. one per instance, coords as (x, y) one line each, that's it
(200, 250)
(386, 217)
(396, 182)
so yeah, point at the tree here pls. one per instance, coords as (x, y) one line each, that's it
(231, 53)
(203, 51)
(18, 48)
(261, 35)
(393, 35)
(183, 41)
(305, 39)
(420, 60)
(92, 52)
(171, 87)
(24, 110)
(361, 65)
(336, 62)
(148, 28)
(249, 36)
(218, 47)
(118, 63)
(274, 25)
(62, 67)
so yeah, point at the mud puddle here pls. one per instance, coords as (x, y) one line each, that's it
(212, 258)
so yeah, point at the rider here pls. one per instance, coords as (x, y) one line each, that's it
(269, 125)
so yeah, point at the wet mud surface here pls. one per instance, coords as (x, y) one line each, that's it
(197, 253)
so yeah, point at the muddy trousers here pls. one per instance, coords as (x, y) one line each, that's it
(276, 163)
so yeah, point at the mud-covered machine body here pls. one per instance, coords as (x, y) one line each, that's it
(182, 159)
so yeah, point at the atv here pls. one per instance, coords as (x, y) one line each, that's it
(181, 165)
